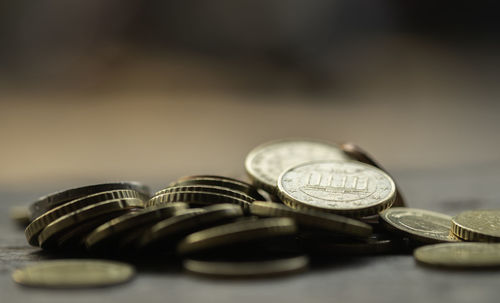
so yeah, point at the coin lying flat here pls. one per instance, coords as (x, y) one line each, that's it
(37, 225)
(220, 181)
(361, 155)
(477, 225)
(52, 200)
(130, 222)
(235, 233)
(459, 255)
(421, 225)
(247, 269)
(73, 274)
(266, 162)
(313, 218)
(197, 198)
(343, 187)
(206, 188)
(47, 237)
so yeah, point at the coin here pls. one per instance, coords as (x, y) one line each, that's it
(313, 218)
(361, 155)
(128, 223)
(37, 225)
(266, 162)
(52, 200)
(167, 232)
(343, 187)
(21, 215)
(220, 181)
(459, 255)
(206, 188)
(236, 233)
(197, 198)
(418, 224)
(73, 274)
(478, 225)
(246, 269)
(47, 237)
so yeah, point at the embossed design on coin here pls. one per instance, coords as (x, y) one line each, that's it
(419, 224)
(346, 187)
(265, 163)
(459, 255)
(478, 225)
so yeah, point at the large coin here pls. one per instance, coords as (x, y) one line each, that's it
(52, 200)
(313, 218)
(478, 225)
(459, 255)
(266, 162)
(246, 269)
(73, 274)
(421, 225)
(236, 233)
(37, 225)
(343, 187)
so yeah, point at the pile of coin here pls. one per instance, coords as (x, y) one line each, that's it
(306, 200)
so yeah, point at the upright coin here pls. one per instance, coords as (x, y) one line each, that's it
(344, 187)
(459, 255)
(73, 274)
(266, 162)
(247, 269)
(421, 225)
(478, 225)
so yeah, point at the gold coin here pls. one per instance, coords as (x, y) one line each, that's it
(236, 233)
(47, 237)
(478, 225)
(459, 255)
(52, 200)
(37, 225)
(344, 187)
(206, 188)
(266, 162)
(79, 273)
(170, 230)
(418, 224)
(197, 198)
(21, 215)
(313, 218)
(247, 269)
(220, 181)
(129, 222)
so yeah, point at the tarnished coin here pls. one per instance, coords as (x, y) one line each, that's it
(206, 188)
(167, 232)
(459, 255)
(247, 269)
(478, 225)
(220, 181)
(357, 153)
(21, 215)
(313, 218)
(79, 273)
(236, 233)
(47, 238)
(418, 224)
(344, 187)
(266, 162)
(37, 225)
(197, 198)
(52, 200)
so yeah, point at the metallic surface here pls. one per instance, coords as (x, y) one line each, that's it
(459, 255)
(478, 225)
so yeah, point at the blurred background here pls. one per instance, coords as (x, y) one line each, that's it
(152, 90)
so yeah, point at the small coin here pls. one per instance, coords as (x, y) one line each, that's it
(357, 153)
(52, 200)
(266, 162)
(459, 255)
(236, 233)
(220, 181)
(197, 198)
(247, 269)
(21, 215)
(38, 224)
(477, 225)
(105, 233)
(167, 232)
(73, 274)
(313, 218)
(418, 224)
(344, 187)
(206, 188)
(47, 238)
